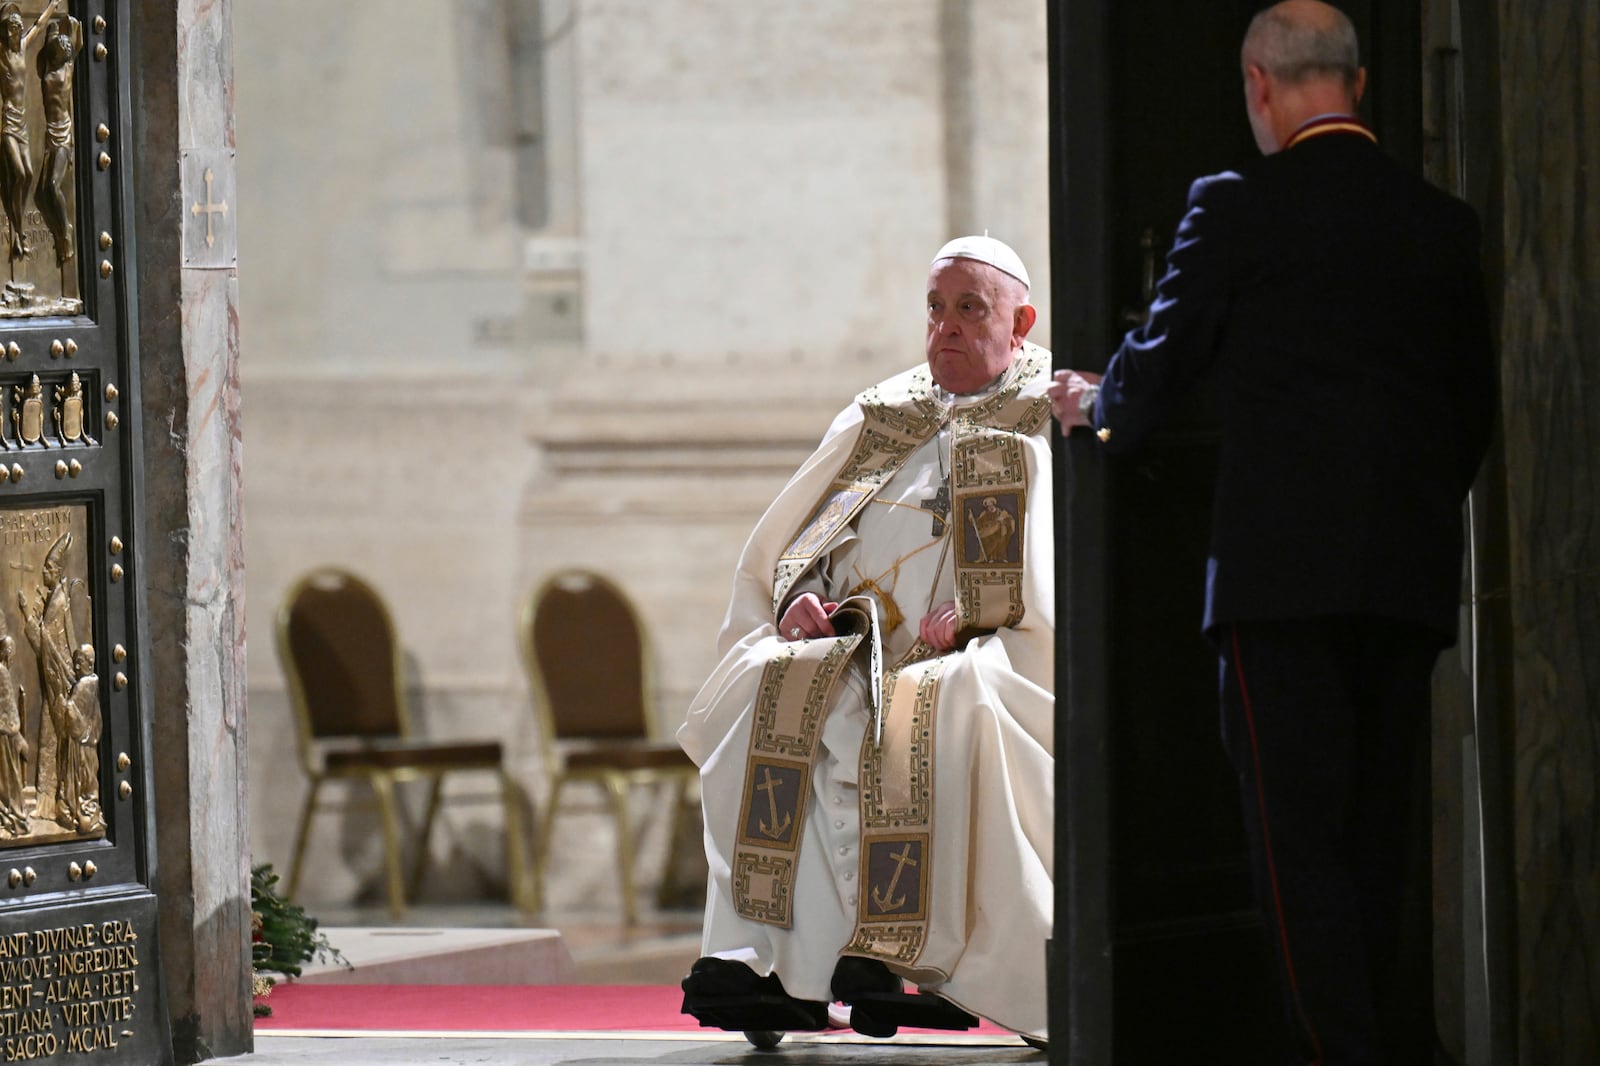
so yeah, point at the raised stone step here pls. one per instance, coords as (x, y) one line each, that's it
(421, 956)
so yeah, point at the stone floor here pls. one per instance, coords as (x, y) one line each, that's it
(656, 951)
(300, 1051)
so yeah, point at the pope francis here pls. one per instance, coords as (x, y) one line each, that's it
(875, 744)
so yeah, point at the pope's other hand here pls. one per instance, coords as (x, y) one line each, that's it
(938, 626)
(806, 617)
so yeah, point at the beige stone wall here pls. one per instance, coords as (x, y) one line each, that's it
(457, 379)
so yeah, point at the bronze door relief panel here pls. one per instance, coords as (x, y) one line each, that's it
(79, 974)
(50, 714)
(39, 47)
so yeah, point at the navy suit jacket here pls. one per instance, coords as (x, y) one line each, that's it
(1339, 302)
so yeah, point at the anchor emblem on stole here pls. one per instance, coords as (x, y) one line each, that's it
(770, 787)
(885, 900)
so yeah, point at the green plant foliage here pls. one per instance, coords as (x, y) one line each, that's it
(284, 937)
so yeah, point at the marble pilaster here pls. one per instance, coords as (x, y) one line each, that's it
(188, 344)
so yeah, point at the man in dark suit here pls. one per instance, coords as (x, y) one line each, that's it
(1337, 302)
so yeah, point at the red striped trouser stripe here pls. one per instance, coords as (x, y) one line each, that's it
(1266, 837)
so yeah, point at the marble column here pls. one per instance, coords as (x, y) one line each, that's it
(1550, 103)
(188, 344)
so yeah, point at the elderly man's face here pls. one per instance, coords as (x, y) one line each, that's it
(977, 319)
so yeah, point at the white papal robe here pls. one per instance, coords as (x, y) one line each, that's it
(965, 759)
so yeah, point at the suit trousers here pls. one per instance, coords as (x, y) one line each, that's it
(1326, 721)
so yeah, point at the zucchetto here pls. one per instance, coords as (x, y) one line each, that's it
(986, 249)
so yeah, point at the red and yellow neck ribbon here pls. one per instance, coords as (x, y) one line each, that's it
(1331, 124)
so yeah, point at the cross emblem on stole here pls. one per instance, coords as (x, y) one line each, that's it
(939, 506)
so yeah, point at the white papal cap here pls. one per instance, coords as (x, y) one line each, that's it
(986, 249)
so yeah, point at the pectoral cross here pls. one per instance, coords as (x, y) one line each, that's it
(939, 506)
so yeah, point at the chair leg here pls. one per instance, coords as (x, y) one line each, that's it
(300, 835)
(680, 798)
(524, 893)
(383, 786)
(414, 886)
(541, 847)
(617, 786)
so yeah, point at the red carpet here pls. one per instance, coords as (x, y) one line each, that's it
(485, 1008)
(476, 1008)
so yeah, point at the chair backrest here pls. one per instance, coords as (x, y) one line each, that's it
(587, 659)
(338, 649)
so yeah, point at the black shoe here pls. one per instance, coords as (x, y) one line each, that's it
(880, 1005)
(857, 978)
(721, 994)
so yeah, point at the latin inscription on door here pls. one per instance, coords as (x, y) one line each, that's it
(71, 986)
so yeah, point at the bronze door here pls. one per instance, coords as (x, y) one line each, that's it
(78, 968)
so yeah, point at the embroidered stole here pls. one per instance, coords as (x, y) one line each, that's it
(795, 692)
(897, 774)
(989, 490)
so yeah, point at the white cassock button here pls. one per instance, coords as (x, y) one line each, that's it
(839, 824)
(844, 849)
(852, 901)
(849, 875)
(838, 800)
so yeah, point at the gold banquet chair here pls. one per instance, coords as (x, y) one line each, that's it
(589, 667)
(345, 670)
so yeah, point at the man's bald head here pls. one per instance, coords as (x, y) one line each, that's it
(1298, 40)
(1300, 60)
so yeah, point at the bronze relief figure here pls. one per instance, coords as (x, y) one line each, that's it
(13, 747)
(16, 163)
(52, 721)
(61, 48)
(38, 40)
(78, 755)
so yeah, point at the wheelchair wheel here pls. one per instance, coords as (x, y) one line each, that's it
(763, 1039)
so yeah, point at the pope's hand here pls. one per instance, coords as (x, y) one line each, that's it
(806, 617)
(938, 626)
(1066, 394)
